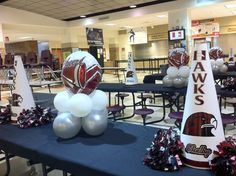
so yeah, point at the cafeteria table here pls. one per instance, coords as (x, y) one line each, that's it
(119, 151)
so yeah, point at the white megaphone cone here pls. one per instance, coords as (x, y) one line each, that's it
(131, 76)
(22, 97)
(201, 129)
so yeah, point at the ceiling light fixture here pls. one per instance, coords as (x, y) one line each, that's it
(26, 37)
(110, 24)
(161, 16)
(132, 6)
(128, 27)
(230, 6)
(82, 16)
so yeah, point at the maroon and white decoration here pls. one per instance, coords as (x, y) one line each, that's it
(81, 73)
(202, 127)
(215, 53)
(164, 152)
(22, 97)
(178, 57)
(81, 104)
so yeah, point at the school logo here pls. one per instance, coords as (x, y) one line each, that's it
(200, 124)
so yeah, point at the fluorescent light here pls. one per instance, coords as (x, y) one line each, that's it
(128, 26)
(26, 37)
(82, 16)
(229, 6)
(110, 24)
(161, 16)
(132, 6)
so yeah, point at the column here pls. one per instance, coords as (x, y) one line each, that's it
(2, 45)
(179, 19)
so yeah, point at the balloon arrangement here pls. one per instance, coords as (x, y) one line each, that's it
(81, 105)
(217, 61)
(178, 72)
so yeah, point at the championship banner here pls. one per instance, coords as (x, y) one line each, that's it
(22, 97)
(202, 128)
(131, 76)
(205, 28)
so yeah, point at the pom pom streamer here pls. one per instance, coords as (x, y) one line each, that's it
(35, 117)
(164, 151)
(225, 161)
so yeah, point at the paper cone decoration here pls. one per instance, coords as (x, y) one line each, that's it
(201, 128)
(131, 76)
(22, 97)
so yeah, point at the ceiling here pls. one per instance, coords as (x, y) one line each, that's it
(69, 10)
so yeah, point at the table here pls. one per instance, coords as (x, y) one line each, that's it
(151, 79)
(31, 83)
(116, 70)
(223, 76)
(119, 151)
(157, 88)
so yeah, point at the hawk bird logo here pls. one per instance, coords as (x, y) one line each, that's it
(129, 74)
(200, 124)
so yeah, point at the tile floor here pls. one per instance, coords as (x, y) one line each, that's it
(19, 165)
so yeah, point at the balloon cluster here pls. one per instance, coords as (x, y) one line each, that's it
(81, 105)
(225, 161)
(176, 77)
(218, 66)
(164, 152)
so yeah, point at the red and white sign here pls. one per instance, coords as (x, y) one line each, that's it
(201, 29)
(176, 35)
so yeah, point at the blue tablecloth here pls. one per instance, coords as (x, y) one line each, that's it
(119, 151)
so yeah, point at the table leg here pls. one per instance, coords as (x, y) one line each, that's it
(49, 88)
(64, 173)
(7, 163)
(44, 169)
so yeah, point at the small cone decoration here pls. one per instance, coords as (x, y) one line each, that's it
(131, 76)
(22, 97)
(202, 128)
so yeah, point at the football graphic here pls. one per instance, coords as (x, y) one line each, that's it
(178, 57)
(81, 72)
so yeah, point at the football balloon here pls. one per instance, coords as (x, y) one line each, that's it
(178, 57)
(81, 72)
(215, 53)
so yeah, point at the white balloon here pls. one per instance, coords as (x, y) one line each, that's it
(99, 100)
(66, 125)
(61, 101)
(213, 62)
(172, 72)
(184, 71)
(220, 62)
(167, 81)
(80, 105)
(223, 68)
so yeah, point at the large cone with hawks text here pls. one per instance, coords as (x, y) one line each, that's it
(131, 76)
(201, 125)
(22, 97)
